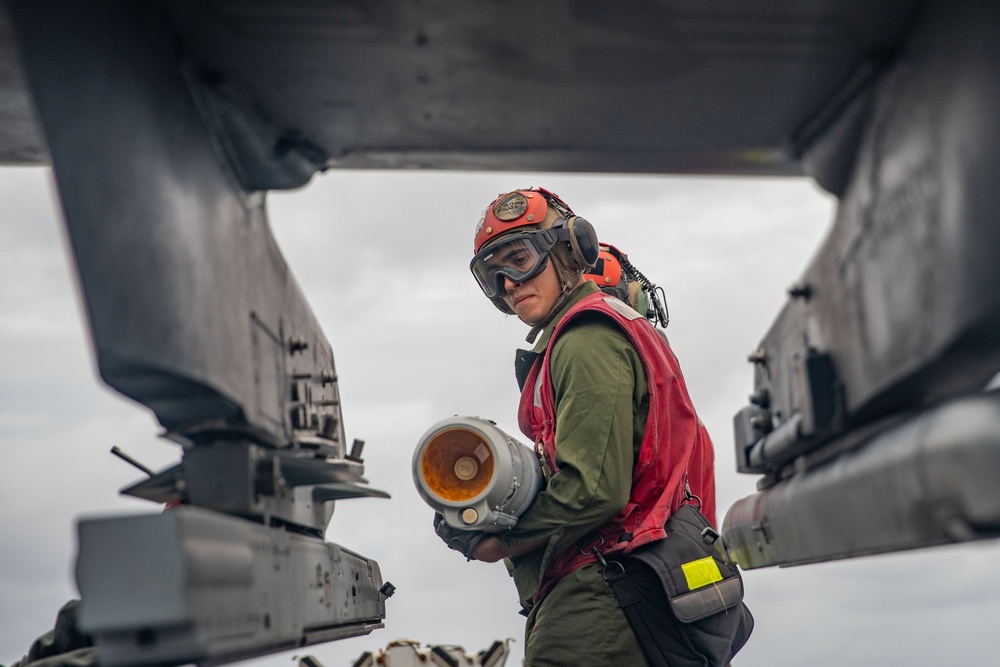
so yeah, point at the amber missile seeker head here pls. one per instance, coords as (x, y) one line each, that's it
(457, 465)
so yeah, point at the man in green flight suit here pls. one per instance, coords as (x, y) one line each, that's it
(586, 399)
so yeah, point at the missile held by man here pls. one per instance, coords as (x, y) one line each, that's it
(476, 475)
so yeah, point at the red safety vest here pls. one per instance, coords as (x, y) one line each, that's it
(675, 444)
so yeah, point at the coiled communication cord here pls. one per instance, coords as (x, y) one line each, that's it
(657, 312)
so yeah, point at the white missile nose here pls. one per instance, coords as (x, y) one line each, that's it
(469, 515)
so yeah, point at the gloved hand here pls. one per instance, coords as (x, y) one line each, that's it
(462, 541)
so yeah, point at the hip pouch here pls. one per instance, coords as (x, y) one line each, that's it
(682, 596)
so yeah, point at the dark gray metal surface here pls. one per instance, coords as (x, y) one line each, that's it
(194, 313)
(21, 139)
(897, 313)
(570, 85)
(193, 310)
(191, 585)
(899, 303)
(929, 479)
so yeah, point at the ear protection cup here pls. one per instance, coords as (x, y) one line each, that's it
(583, 244)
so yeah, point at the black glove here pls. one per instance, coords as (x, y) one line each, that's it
(462, 541)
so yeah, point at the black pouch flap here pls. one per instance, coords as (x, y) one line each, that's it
(696, 576)
(704, 602)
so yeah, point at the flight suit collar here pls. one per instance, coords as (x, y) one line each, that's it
(586, 289)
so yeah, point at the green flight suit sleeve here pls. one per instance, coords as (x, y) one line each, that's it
(601, 404)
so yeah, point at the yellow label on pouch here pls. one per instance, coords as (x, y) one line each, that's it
(701, 572)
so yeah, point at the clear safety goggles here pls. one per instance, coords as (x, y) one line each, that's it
(519, 257)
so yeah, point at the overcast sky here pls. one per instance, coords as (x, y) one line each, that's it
(383, 257)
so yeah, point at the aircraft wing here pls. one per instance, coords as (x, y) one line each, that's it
(658, 87)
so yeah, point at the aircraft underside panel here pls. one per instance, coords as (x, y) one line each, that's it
(900, 307)
(676, 86)
(195, 314)
(930, 479)
(898, 313)
(190, 585)
(20, 137)
(193, 310)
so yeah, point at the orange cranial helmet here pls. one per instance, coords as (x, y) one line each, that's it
(521, 208)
